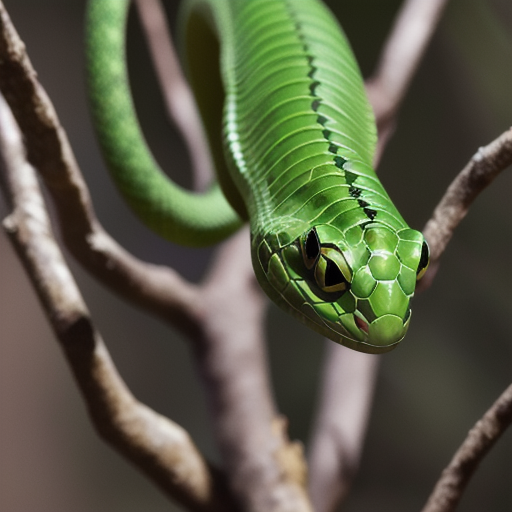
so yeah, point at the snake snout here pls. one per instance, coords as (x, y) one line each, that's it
(387, 330)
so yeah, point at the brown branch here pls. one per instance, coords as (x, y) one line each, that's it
(485, 165)
(479, 441)
(266, 471)
(151, 287)
(229, 362)
(158, 446)
(347, 392)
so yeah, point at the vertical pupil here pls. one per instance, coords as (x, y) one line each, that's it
(333, 275)
(312, 245)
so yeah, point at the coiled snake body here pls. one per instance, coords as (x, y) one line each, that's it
(292, 137)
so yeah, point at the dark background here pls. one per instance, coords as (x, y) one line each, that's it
(456, 359)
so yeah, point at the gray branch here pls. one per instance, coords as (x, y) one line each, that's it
(158, 446)
(480, 439)
(485, 165)
(346, 394)
(399, 60)
(178, 97)
(266, 470)
(344, 409)
(223, 317)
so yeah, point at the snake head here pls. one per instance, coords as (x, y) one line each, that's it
(353, 286)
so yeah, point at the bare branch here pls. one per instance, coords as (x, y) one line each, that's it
(266, 471)
(154, 288)
(178, 97)
(481, 170)
(399, 60)
(224, 316)
(479, 441)
(347, 393)
(160, 448)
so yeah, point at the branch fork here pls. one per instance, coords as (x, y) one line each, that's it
(262, 470)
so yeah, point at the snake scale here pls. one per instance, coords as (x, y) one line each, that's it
(292, 137)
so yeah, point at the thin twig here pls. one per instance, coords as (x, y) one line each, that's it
(485, 165)
(158, 446)
(480, 439)
(399, 60)
(179, 100)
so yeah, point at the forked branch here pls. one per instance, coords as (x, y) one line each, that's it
(155, 288)
(159, 447)
(266, 471)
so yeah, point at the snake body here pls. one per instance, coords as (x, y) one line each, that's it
(292, 138)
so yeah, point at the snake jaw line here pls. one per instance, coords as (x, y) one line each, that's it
(367, 305)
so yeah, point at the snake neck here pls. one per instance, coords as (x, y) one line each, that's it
(328, 245)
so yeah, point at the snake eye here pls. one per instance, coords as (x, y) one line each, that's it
(311, 249)
(332, 273)
(424, 261)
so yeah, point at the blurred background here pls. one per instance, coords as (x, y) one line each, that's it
(457, 357)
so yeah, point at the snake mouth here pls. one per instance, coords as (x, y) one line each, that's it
(361, 324)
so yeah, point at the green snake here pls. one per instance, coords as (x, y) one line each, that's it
(292, 138)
